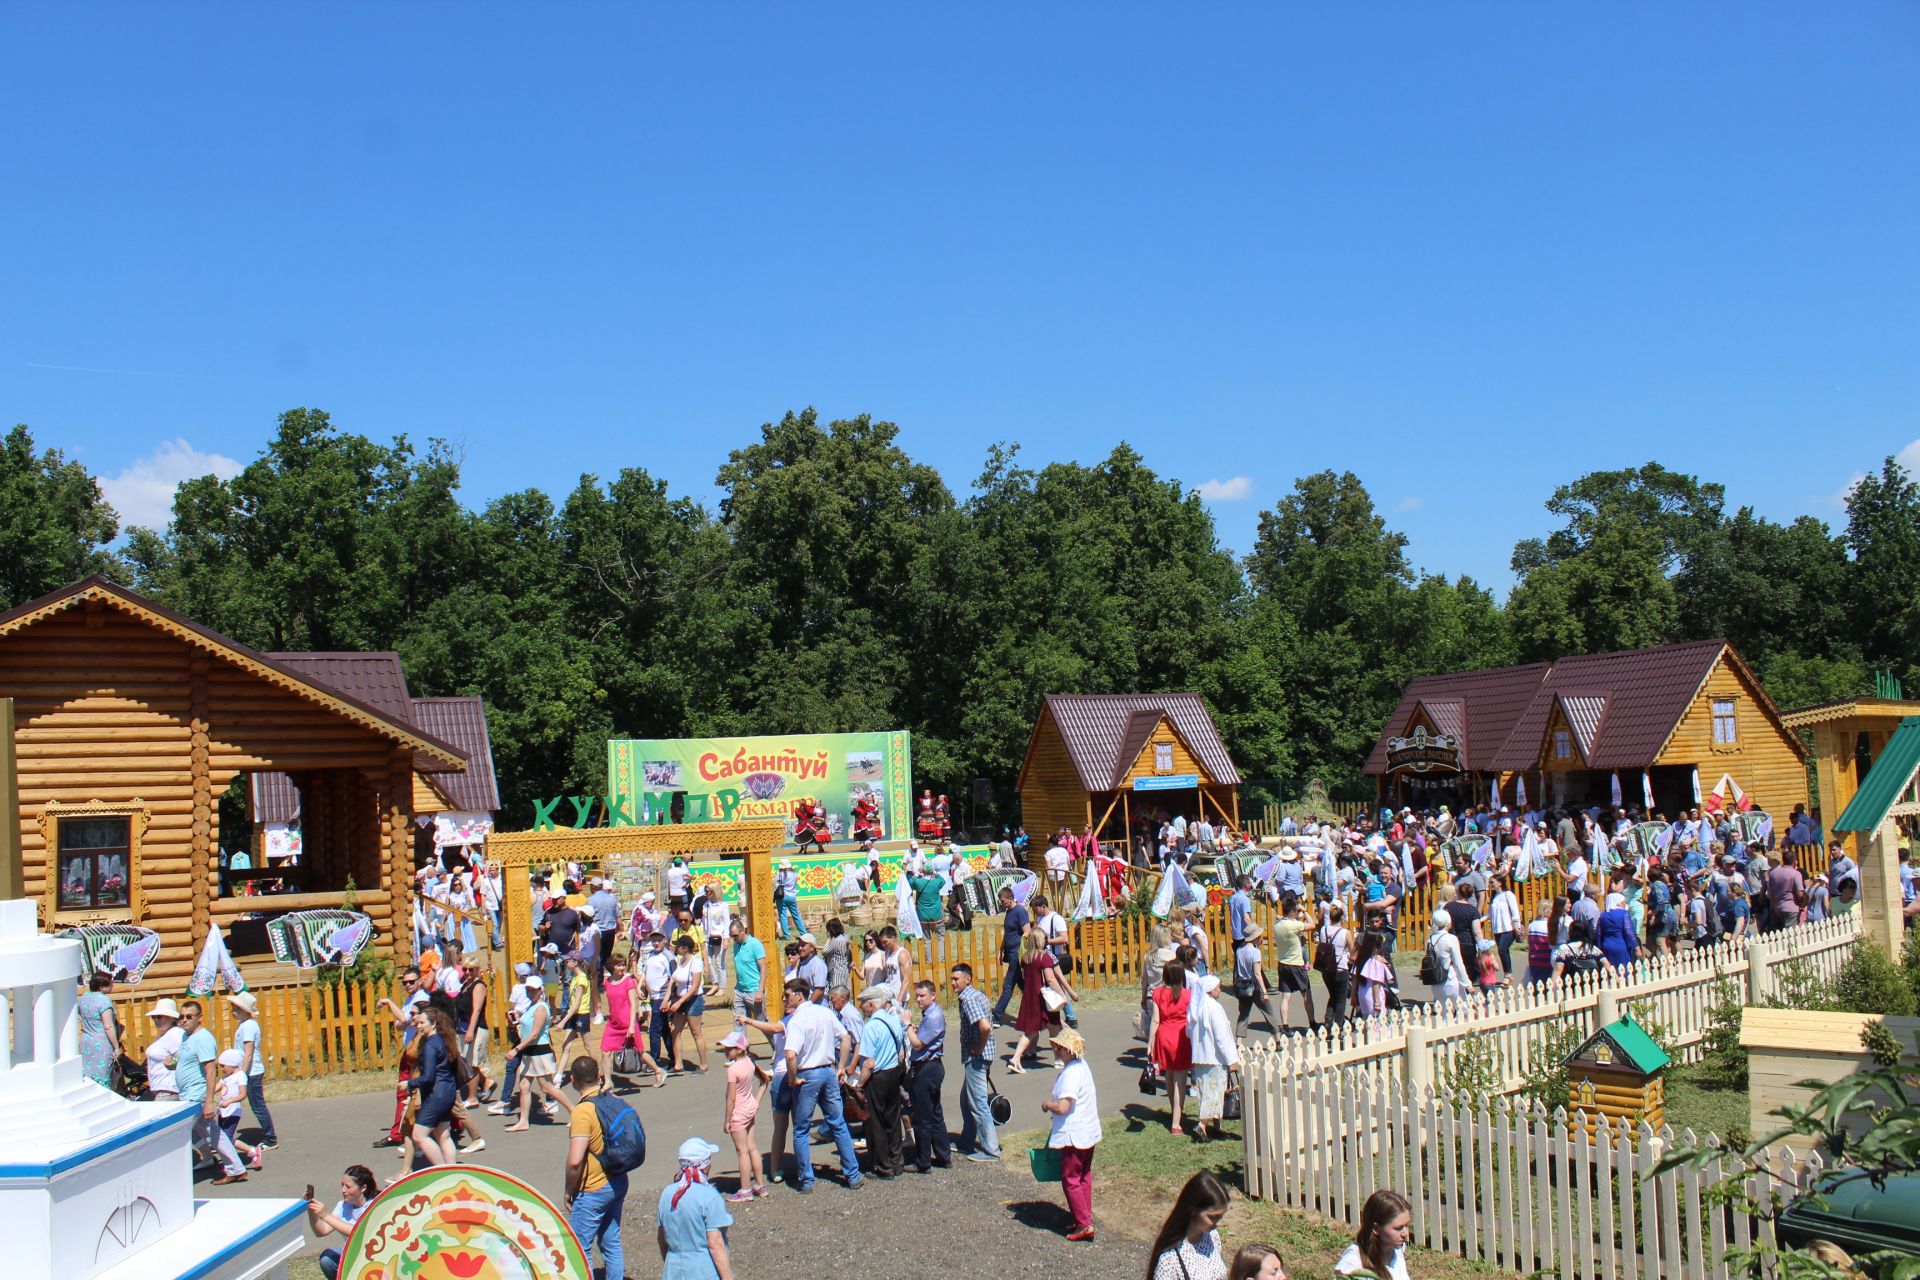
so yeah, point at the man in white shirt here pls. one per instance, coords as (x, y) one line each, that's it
(716, 917)
(812, 1052)
(656, 971)
(1057, 861)
(1053, 930)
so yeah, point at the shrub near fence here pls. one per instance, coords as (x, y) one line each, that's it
(307, 1031)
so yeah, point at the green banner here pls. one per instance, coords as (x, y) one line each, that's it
(736, 779)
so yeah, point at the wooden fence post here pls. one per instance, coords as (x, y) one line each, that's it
(1756, 972)
(1418, 1071)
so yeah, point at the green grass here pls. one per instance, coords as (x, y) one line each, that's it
(1141, 1167)
(1691, 1105)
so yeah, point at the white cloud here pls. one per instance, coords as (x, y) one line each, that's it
(142, 492)
(1238, 489)
(1407, 504)
(1908, 457)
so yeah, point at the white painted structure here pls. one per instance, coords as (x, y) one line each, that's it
(93, 1186)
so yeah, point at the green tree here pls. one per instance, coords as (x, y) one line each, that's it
(1604, 579)
(328, 540)
(1883, 532)
(54, 523)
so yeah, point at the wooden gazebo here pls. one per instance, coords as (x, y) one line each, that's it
(1098, 759)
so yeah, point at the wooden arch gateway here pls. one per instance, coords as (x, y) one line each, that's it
(633, 857)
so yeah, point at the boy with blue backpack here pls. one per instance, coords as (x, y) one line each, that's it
(606, 1142)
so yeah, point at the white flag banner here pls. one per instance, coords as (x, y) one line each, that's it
(1496, 793)
(1520, 792)
(1646, 790)
(1618, 800)
(1092, 904)
(906, 915)
(1696, 784)
(1175, 892)
(215, 964)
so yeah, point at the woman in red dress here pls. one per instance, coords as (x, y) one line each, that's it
(1039, 974)
(1167, 1038)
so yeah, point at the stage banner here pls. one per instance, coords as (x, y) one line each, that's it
(736, 779)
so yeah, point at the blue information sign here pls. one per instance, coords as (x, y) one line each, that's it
(1167, 782)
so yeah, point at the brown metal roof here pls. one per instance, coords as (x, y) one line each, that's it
(378, 680)
(463, 722)
(400, 729)
(1096, 727)
(1584, 711)
(1490, 702)
(1646, 690)
(1140, 727)
(1449, 716)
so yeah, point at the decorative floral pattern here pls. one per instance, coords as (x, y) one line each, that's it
(458, 1222)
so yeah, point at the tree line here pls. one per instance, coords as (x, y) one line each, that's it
(841, 585)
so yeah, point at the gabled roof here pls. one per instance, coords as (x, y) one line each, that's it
(1626, 1043)
(1647, 692)
(1491, 700)
(1447, 715)
(463, 722)
(1095, 727)
(1886, 782)
(401, 730)
(1584, 711)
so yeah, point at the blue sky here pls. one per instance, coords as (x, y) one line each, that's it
(1466, 251)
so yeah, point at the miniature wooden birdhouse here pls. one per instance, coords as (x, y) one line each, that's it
(1618, 1073)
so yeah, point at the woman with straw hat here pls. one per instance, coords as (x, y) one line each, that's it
(161, 1050)
(1075, 1128)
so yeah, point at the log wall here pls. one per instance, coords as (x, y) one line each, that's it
(1050, 794)
(1763, 759)
(110, 709)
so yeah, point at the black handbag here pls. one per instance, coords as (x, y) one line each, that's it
(1230, 1107)
(1147, 1082)
(627, 1062)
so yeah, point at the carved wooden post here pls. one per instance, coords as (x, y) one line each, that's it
(396, 830)
(203, 861)
(756, 896)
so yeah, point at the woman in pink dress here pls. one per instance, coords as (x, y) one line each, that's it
(1167, 1038)
(621, 1029)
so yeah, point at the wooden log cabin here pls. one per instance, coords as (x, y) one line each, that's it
(1103, 760)
(130, 722)
(1679, 722)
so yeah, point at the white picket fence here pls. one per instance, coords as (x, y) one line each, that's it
(1333, 1116)
(1418, 1042)
(1506, 1181)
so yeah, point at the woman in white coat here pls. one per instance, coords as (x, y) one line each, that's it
(1216, 1056)
(1444, 962)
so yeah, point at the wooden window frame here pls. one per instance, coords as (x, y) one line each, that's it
(1732, 741)
(135, 813)
(1563, 744)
